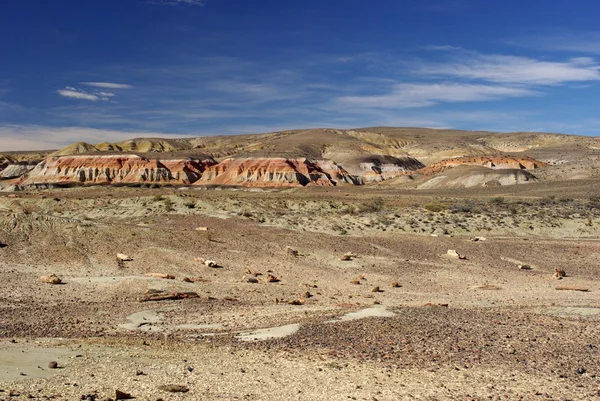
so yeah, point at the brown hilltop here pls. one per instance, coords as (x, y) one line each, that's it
(320, 156)
(491, 162)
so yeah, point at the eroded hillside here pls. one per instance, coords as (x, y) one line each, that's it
(404, 157)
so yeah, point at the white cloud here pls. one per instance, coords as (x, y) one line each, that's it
(36, 137)
(74, 93)
(441, 47)
(107, 85)
(426, 94)
(515, 70)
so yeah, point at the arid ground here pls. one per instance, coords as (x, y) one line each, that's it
(283, 315)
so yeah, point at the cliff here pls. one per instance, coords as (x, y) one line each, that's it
(491, 162)
(114, 169)
(279, 172)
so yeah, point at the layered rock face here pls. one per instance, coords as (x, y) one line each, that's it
(476, 176)
(375, 171)
(492, 162)
(15, 170)
(112, 169)
(276, 172)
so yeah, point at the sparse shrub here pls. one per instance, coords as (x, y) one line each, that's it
(497, 200)
(435, 208)
(168, 204)
(373, 206)
(461, 208)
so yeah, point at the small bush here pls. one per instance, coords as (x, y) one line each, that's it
(373, 206)
(435, 208)
(168, 204)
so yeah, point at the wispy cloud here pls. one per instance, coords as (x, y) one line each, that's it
(441, 47)
(426, 94)
(514, 70)
(74, 93)
(107, 85)
(583, 42)
(35, 137)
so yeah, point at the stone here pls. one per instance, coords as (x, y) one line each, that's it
(525, 267)
(376, 289)
(454, 254)
(174, 388)
(395, 284)
(121, 395)
(559, 274)
(160, 275)
(252, 280)
(211, 263)
(52, 365)
(124, 258)
(291, 251)
(272, 279)
(51, 279)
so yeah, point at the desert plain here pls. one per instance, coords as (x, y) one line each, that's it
(378, 289)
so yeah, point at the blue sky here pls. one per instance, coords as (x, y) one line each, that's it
(100, 70)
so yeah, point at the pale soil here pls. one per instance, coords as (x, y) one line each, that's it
(505, 333)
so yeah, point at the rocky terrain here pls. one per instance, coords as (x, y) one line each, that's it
(216, 270)
(405, 157)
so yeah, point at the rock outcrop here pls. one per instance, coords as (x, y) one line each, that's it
(115, 169)
(276, 172)
(15, 170)
(491, 162)
(477, 176)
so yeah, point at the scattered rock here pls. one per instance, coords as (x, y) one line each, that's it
(454, 254)
(160, 275)
(395, 284)
(308, 295)
(559, 274)
(477, 239)
(201, 228)
(52, 365)
(376, 289)
(3, 245)
(355, 282)
(124, 258)
(121, 395)
(252, 280)
(174, 388)
(255, 274)
(525, 267)
(211, 263)
(187, 280)
(272, 279)
(291, 251)
(348, 256)
(51, 279)
(157, 295)
(581, 289)
(140, 373)
(297, 302)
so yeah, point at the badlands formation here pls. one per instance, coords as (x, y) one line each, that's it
(417, 158)
(369, 264)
